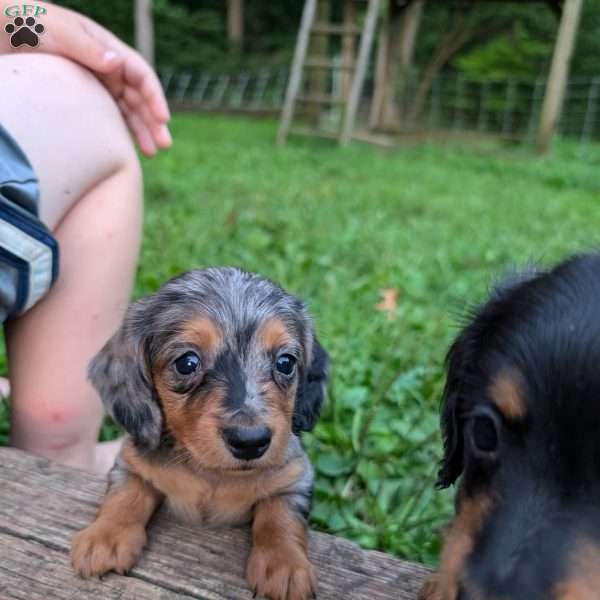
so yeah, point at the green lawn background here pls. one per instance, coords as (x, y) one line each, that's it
(335, 226)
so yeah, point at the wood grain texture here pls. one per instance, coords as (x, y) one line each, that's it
(33, 571)
(43, 504)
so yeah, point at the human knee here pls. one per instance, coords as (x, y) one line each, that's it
(59, 423)
(73, 98)
(100, 112)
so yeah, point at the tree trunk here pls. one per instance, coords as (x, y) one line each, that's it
(384, 72)
(394, 62)
(235, 24)
(144, 30)
(559, 71)
(448, 46)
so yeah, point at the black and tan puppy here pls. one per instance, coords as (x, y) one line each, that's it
(521, 421)
(213, 377)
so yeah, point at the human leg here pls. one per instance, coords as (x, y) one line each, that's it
(91, 198)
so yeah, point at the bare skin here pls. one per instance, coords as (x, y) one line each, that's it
(122, 71)
(73, 126)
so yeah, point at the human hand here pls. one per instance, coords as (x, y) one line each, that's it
(125, 74)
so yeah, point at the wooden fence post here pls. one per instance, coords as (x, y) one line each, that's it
(295, 80)
(364, 51)
(559, 71)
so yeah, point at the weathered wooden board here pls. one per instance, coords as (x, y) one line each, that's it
(43, 504)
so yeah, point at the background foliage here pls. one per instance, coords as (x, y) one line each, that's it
(436, 224)
(510, 39)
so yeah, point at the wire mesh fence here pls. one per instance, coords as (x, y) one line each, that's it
(260, 91)
(506, 108)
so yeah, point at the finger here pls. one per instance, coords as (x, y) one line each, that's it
(162, 136)
(78, 44)
(140, 110)
(136, 103)
(132, 96)
(138, 74)
(114, 83)
(138, 129)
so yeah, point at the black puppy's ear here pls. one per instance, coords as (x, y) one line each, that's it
(121, 374)
(311, 390)
(461, 364)
(452, 463)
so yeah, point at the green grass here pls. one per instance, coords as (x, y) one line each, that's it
(336, 226)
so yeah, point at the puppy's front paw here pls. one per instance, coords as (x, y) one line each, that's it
(100, 548)
(281, 573)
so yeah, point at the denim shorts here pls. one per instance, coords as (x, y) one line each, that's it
(28, 251)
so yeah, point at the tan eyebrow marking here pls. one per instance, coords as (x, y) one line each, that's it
(506, 392)
(203, 332)
(274, 334)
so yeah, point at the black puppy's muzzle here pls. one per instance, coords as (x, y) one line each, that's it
(247, 443)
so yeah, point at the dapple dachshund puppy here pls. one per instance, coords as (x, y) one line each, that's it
(213, 377)
(521, 422)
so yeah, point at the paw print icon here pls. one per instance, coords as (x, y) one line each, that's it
(24, 32)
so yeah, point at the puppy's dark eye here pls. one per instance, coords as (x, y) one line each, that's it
(484, 434)
(187, 363)
(286, 364)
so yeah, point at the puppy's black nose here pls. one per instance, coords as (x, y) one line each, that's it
(247, 443)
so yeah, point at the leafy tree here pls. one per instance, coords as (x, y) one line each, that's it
(586, 58)
(512, 54)
(503, 38)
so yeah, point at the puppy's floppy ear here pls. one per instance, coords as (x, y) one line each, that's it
(311, 390)
(121, 374)
(452, 426)
(461, 363)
